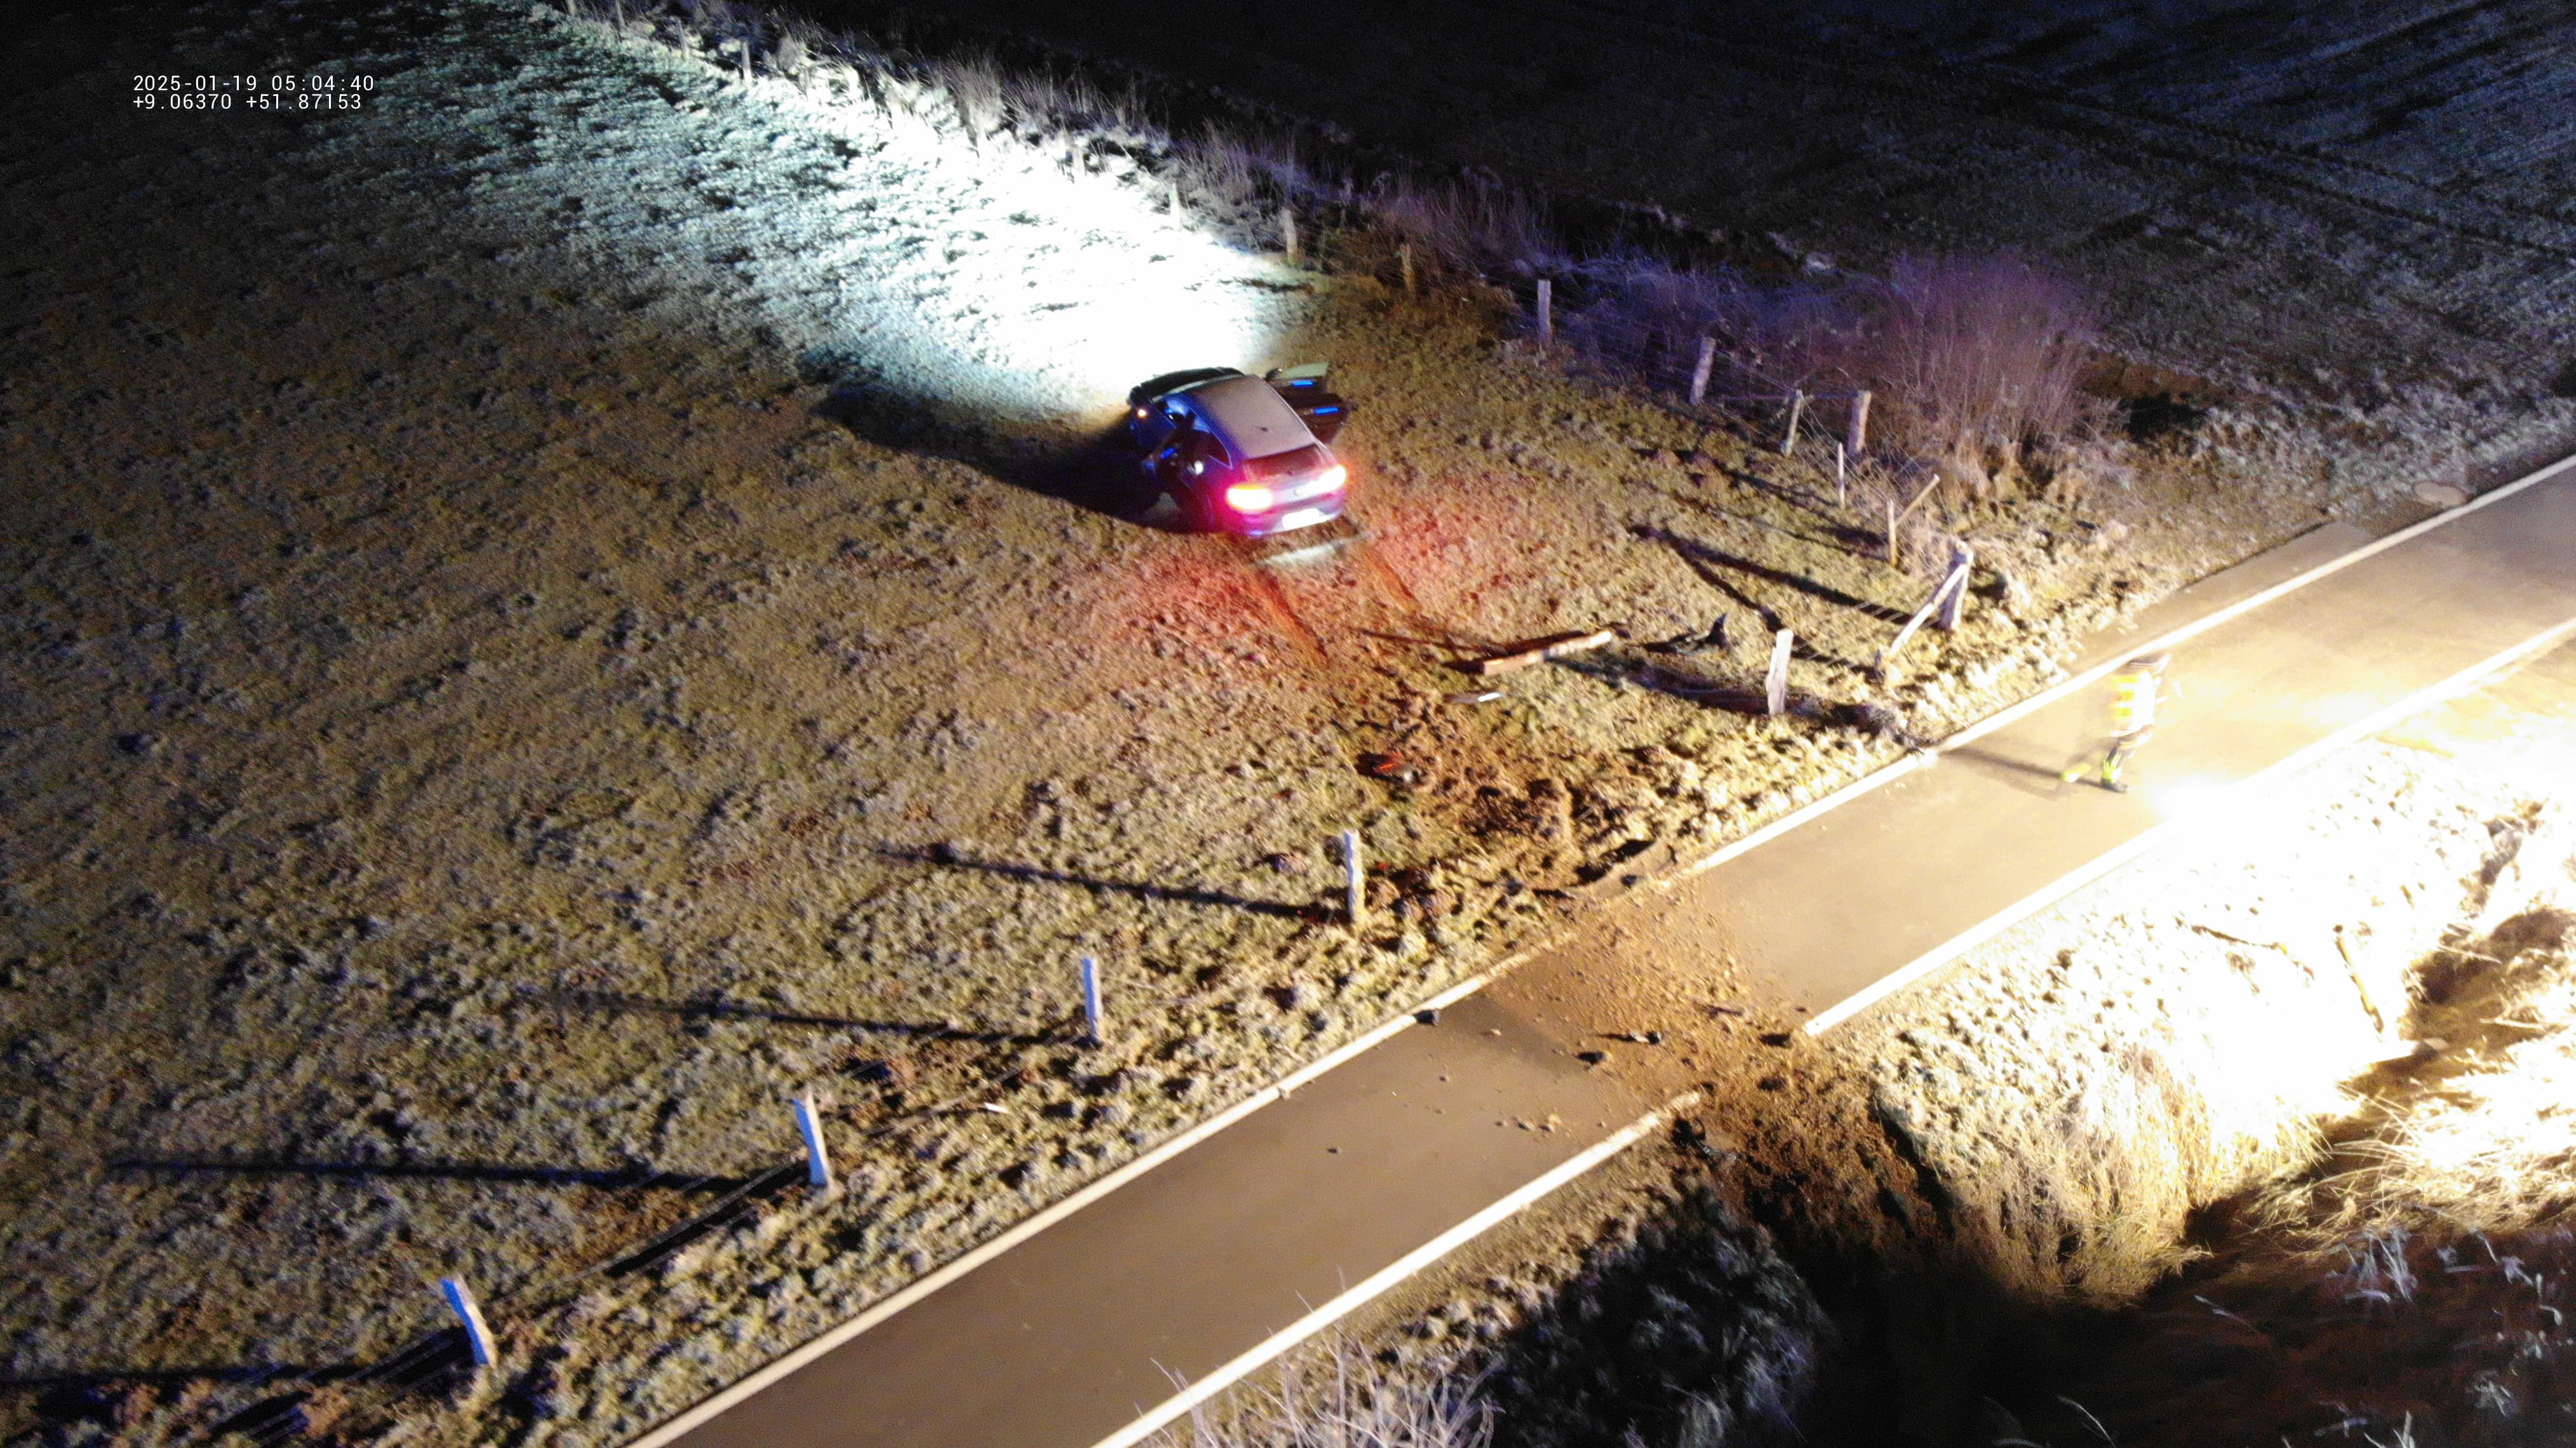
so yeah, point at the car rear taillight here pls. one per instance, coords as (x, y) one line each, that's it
(1331, 479)
(1248, 498)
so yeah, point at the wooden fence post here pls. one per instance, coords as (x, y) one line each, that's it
(818, 1159)
(1354, 896)
(1943, 602)
(1842, 484)
(1288, 229)
(477, 1336)
(1091, 999)
(1797, 409)
(1699, 373)
(1404, 257)
(1859, 438)
(1546, 312)
(1896, 515)
(1775, 684)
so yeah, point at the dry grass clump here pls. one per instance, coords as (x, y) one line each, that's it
(2390, 1341)
(1467, 226)
(1685, 1326)
(1335, 1396)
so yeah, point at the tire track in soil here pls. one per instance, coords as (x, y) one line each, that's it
(2007, 95)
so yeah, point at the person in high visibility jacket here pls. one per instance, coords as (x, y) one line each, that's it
(2134, 692)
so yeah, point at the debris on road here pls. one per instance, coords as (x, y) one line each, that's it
(1541, 651)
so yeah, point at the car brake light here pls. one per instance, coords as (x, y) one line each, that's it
(1248, 498)
(1333, 477)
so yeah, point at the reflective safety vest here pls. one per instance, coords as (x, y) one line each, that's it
(2133, 702)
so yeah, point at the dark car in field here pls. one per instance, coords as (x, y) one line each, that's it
(1242, 454)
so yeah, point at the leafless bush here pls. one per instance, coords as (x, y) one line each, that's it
(1479, 227)
(1975, 357)
(1334, 1396)
(974, 86)
(1973, 363)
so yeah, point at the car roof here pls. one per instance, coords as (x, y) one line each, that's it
(1248, 416)
(1251, 416)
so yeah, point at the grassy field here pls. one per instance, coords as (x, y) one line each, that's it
(484, 720)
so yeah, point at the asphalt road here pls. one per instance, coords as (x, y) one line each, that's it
(1064, 1338)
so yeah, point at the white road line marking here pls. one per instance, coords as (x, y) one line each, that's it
(1394, 1274)
(1039, 1221)
(2068, 884)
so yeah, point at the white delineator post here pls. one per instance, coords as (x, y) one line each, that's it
(818, 1160)
(1091, 1000)
(1354, 896)
(1546, 312)
(1775, 684)
(1699, 373)
(477, 1336)
(1176, 201)
(1797, 410)
(1858, 440)
(1842, 485)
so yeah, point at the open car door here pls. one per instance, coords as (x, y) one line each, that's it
(1308, 390)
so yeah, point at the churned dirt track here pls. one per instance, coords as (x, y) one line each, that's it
(481, 726)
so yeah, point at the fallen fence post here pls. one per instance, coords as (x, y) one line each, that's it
(1775, 684)
(1404, 258)
(1858, 438)
(1699, 373)
(1354, 902)
(1091, 1000)
(477, 1336)
(1962, 559)
(818, 1160)
(1896, 515)
(1539, 653)
(1952, 584)
(1546, 312)
(1797, 409)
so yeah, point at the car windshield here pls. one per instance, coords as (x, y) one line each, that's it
(1286, 464)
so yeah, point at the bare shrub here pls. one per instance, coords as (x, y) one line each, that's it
(1222, 168)
(974, 85)
(1334, 1396)
(1475, 227)
(1973, 362)
(1974, 356)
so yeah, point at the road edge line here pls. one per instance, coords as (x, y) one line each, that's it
(2073, 683)
(2067, 884)
(716, 1403)
(1391, 1276)
(795, 1359)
